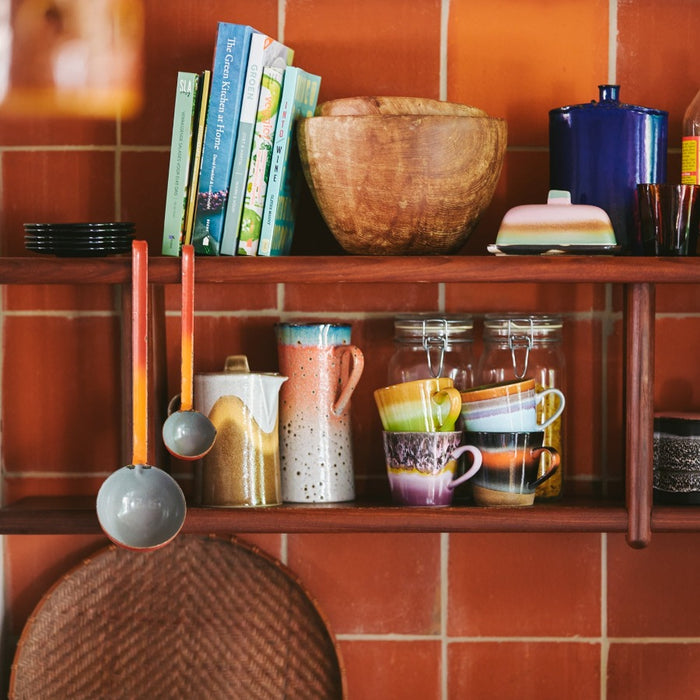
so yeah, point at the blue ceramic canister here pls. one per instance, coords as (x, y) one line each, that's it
(600, 151)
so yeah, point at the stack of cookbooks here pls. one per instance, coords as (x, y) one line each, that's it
(234, 166)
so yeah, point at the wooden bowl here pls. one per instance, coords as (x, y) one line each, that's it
(366, 104)
(400, 184)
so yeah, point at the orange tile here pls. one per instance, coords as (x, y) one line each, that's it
(524, 670)
(364, 35)
(234, 298)
(524, 179)
(54, 187)
(524, 585)
(647, 81)
(28, 131)
(583, 400)
(676, 381)
(394, 586)
(677, 298)
(181, 36)
(59, 297)
(407, 669)
(653, 671)
(17, 487)
(367, 297)
(647, 596)
(61, 389)
(218, 337)
(523, 297)
(35, 563)
(614, 415)
(144, 178)
(500, 66)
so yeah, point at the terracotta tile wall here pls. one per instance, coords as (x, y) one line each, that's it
(416, 615)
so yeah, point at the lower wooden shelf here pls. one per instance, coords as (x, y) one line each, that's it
(76, 515)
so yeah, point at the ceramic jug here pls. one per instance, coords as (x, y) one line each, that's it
(315, 431)
(600, 151)
(243, 466)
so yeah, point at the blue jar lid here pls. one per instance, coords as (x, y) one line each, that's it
(609, 99)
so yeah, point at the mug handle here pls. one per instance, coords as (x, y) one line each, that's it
(455, 399)
(358, 364)
(556, 459)
(557, 413)
(476, 464)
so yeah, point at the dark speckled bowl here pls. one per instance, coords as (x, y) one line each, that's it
(677, 458)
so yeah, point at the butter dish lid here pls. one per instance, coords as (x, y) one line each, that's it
(557, 224)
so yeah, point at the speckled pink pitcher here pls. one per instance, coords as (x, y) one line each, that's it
(315, 433)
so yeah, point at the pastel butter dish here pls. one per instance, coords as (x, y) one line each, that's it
(557, 227)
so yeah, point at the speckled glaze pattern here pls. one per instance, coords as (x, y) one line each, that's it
(315, 433)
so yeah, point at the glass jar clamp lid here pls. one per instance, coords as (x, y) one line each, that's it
(433, 345)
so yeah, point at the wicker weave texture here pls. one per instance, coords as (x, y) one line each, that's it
(203, 617)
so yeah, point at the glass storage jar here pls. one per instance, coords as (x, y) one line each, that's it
(517, 346)
(433, 345)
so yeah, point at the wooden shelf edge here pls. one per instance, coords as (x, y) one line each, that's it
(358, 269)
(45, 516)
(675, 518)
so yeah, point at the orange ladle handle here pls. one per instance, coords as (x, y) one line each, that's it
(139, 350)
(187, 343)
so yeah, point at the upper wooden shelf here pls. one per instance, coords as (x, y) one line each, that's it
(358, 269)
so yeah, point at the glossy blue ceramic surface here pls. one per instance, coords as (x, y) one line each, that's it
(321, 335)
(601, 151)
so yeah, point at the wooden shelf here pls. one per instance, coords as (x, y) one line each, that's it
(639, 277)
(76, 516)
(44, 515)
(358, 269)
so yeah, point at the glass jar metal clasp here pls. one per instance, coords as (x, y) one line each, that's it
(516, 342)
(435, 342)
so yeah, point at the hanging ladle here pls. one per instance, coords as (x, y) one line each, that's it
(188, 434)
(139, 506)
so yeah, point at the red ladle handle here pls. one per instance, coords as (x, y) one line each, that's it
(187, 343)
(139, 350)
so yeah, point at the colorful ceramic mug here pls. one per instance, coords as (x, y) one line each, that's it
(422, 467)
(507, 407)
(422, 405)
(509, 467)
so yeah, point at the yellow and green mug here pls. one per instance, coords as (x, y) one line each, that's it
(423, 405)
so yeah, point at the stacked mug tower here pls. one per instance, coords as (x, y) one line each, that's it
(496, 430)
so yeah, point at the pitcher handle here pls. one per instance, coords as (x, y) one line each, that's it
(358, 364)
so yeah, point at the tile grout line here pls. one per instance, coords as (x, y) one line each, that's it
(444, 604)
(612, 41)
(281, 19)
(444, 28)
(284, 548)
(605, 642)
(606, 330)
(397, 637)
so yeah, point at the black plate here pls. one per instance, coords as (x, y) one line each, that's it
(89, 253)
(78, 241)
(117, 225)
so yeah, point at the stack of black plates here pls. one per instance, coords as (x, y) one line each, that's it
(79, 240)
